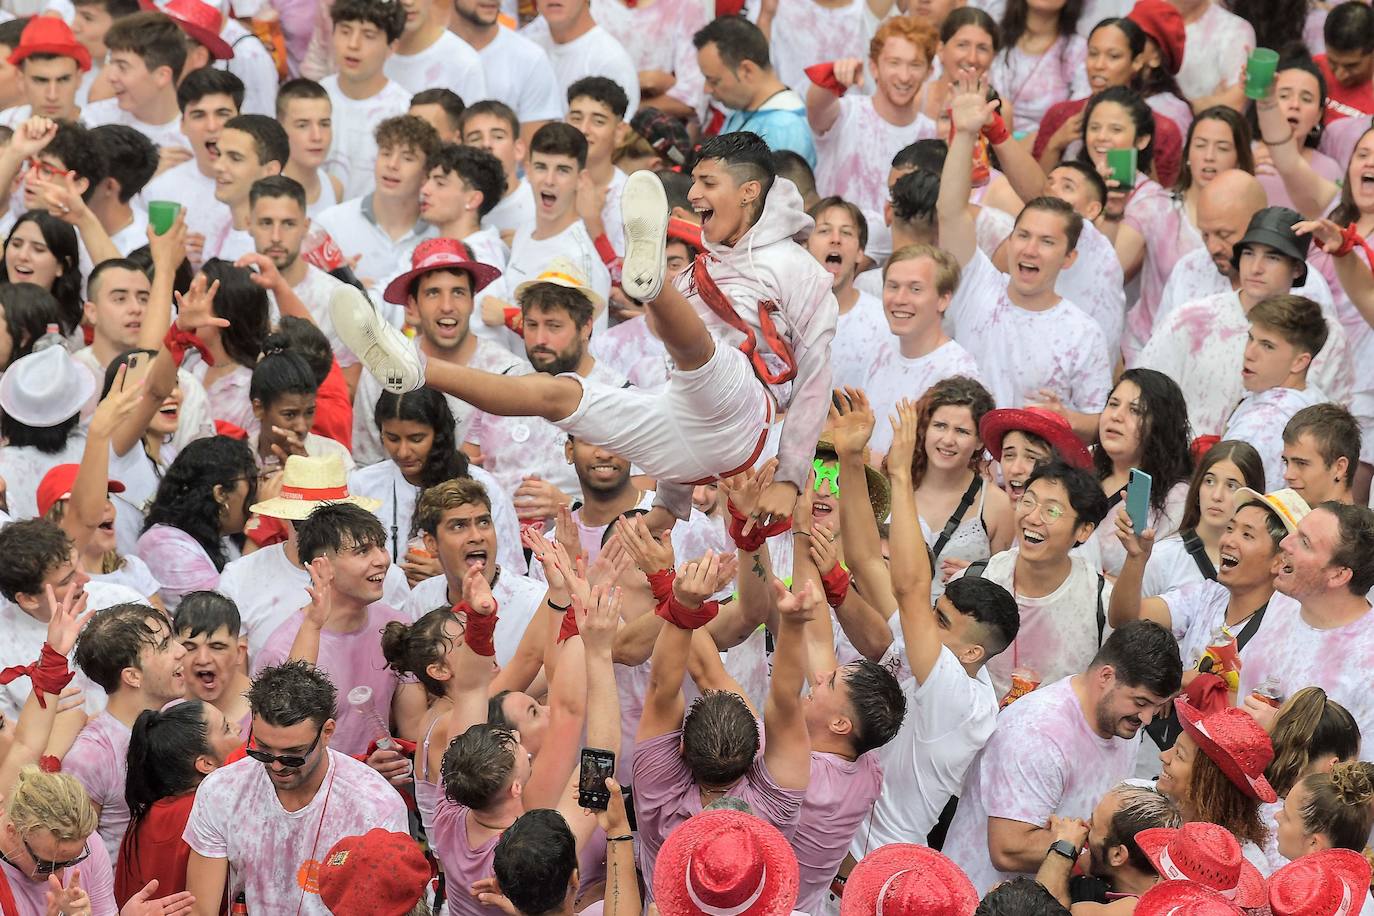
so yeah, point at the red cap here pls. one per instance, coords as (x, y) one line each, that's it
(1037, 421)
(1164, 25)
(202, 24)
(57, 484)
(50, 35)
(377, 874)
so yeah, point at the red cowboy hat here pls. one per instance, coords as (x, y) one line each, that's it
(1184, 898)
(1164, 25)
(1331, 882)
(1236, 743)
(725, 862)
(201, 23)
(1037, 421)
(1204, 854)
(439, 254)
(50, 35)
(904, 879)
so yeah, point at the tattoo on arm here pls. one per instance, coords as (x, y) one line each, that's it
(758, 568)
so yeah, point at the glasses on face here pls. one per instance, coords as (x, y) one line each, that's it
(290, 761)
(1051, 512)
(47, 171)
(44, 867)
(827, 471)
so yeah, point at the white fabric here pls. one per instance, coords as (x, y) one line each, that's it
(450, 62)
(195, 191)
(892, 377)
(253, 64)
(529, 257)
(806, 33)
(855, 155)
(354, 231)
(658, 36)
(1170, 566)
(514, 211)
(594, 53)
(859, 333)
(1195, 277)
(314, 291)
(519, 73)
(23, 468)
(107, 111)
(1217, 46)
(353, 153)
(1260, 418)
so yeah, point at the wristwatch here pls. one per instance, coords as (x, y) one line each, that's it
(1063, 848)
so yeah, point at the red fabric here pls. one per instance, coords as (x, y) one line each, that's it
(568, 628)
(823, 75)
(755, 539)
(1201, 446)
(334, 409)
(995, 131)
(8, 906)
(725, 311)
(661, 584)
(1159, 20)
(515, 320)
(729, 7)
(1345, 101)
(225, 428)
(1350, 239)
(49, 674)
(1207, 694)
(689, 618)
(153, 848)
(606, 251)
(178, 342)
(836, 585)
(265, 531)
(1168, 161)
(479, 629)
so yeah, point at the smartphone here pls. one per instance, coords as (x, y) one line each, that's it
(1138, 499)
(132, 365)
(597, 766)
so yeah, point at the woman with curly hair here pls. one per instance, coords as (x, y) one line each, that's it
(43, 250)
(1143, 425)
(201, 500)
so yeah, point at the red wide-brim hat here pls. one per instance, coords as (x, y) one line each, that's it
(724, 860)
(1184, 898)
(1177, 854)
(1330, 882)
(1037, 421)
(439, 254)
(1236, 743)
(908, 880)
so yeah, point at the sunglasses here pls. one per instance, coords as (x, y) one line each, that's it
(290, 761)
(45, 867)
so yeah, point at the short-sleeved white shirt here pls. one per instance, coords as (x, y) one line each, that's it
(518, 599)
(854, 156)
(1260, 418)
(107, 111)
(593, 53)
(519, 73)
(450, 62)
(1217, 46)
(858, 334)
(892, 377)
(353, 153)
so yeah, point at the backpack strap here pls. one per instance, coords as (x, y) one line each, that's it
(957, 517)
(1198, 551)
(1101, 611)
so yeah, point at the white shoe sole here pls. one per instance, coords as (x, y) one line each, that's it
(644, 210)
(386, 352)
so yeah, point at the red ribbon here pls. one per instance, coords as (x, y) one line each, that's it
(568, 628)
(823, 75)
(178, 342)
(314, 493)
(478, 629)
(836, 585)
(673, 610)
(1350, 237)
(711, 295)
(49, 674)
(995, 131)
(755, 539)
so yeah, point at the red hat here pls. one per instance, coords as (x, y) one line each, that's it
(1164, 25)
(1205, 854)
(1037, 421)
(904, 879)
(1236, 743)
(1330, 882)
(377, 874)
(57, 483)
(439, 254)
(50, 35)
(723, 861)
(1184, 898)
(685, 231)
(202, 24)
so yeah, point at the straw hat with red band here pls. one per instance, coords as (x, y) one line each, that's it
(1184, 898)
(57, 486)
(200, 21)
(380, 873)
(1037, 421)
(1235, 742)
(308, 483)
(562, 272)
(904, 879)
(50, 35)
(439, 254)
(1330, 882)
(725, 863)
(1159, 20)
(1205, 854)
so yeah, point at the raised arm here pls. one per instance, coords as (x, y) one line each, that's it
(663, 702)
(306, 646)
(1126, 604)
(970, 111)
(755, 566)
(787, 748)
(86, 506)
(1311, 193)
(911, 573)
(822, 105)
(851, 426)
(1023, 173)
(476, 657)
(814, 553)
(1353, 272)
(62, 199)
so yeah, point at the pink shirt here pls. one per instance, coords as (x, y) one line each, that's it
(854, 156)
(806, 33)
(1032, 83)
(633, 351)
(1162, 221)
(351, 660)
(97, 877)
(1260, 418)
(839, 797)
(99, 759)
(464, 865)
(177, 561)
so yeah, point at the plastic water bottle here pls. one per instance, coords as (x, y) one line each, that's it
(52, 337)
(360, 698)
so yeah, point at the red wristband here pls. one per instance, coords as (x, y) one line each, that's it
(823, 75)
(178, 342)
(568, 628)
(661, 584)
(49, 674)
(755, 539)
(996, 130)
(1350, 238)
(478, 629)
(515, 320)
(688, 618)
(836, 585)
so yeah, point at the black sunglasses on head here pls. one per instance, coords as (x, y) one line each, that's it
(290, 761)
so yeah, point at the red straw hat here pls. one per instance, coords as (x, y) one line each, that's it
(50, 35)
(377, 874)
(1183, 898)
(1164, 25)
(725, 863)
(904, 879)
(202, 24)
(1236, 743)
(1204, 854)
(439, 254)
(1331, 882)
(1037, 421)
(57, 484)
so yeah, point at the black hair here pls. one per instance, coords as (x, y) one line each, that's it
(93, 280)
(1354, 548)
(1142, 118)
(11, 33)
(277, 186)
(428, 407)
(720, 738)
(1142, 654)
(31, 549)
(913, 198)
(76, 149)
(209, 81)
(1241, 132)
(181, 280)
(477, 167)
(303, 336)
(185, 497)
(1240, 453)
(114, 639)
(1164, 434)
(791, 165)
(162, 755)
(534, 861)
(205, 612)
(924, 155)
(269, 138)
(879, 704)
(335, 526)
(28, 310)
(280, 372)
(970, 15)
(1278, 23)
(736, 40)
(991, 606)
(298, 88)
(557, 138)
(678, 185)
(1086, 498)
(600, 89)
(745, 156)
(292, 692)
(1023, 896)
(1299, 61)
(1090, 175)
(385, 15)
(47, 439)
(1350, 27)
(1013, 25)
(450, 101)
(117, 9)
(61, 240)
(244, 304)
(131, 157)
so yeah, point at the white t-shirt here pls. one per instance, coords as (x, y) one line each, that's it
(515, 210)
(1020, 351)
(658, 36)
(1216, 49)
(1195, 276)
(314, 291)
(450, 62)
(107, 111)
(271, 851)
(854, 156)
(858, 334)
(1260, 418)
(948, 720)
(1044, 758)
(1170, 566)
(1196, 611)
(134, 574)
(253, 64)
(518, 73)
(892, 377)
(195, 191)
(24, 467)
(806, 33)
(529, 257)
(353, 226)
(594, 53)
(518, 599)
(353, 154)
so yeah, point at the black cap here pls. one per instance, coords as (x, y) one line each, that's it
(1273, 226)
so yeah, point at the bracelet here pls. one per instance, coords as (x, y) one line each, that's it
(619, 839)
(557, 607)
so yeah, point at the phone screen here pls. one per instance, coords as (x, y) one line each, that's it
(597, 767)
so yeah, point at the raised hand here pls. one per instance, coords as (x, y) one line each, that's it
(321, 591)
(1323, 231)
(68, 617)
(743, 489)
(848, 71)
(696, 581)
(195, 309)
(542, 550)
(117, 405)
(970, 109)
(1137, 545)
(565, 531)
(611, 563)
(261, 270)
(477, 591)
(851, 421)
(905, 427)
(797, 606)
(33, 136)
(649, 554)
(71, 900)
(61, 198)
(599, 617)
(823, 548)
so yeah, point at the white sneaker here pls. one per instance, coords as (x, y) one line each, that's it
(644, 210)
(386, 352)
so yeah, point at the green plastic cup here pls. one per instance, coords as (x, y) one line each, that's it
(161, 215)
(1259, 72)
(1122, 162)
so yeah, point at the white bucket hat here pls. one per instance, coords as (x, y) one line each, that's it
(45, 388)
(308, 483)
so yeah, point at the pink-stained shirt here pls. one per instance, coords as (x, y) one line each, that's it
(1162, 221)
(177, 561)
(99, 759)
(450, 62)
(658, 36)
(228, 396)
(1031, 83)
(892, 377)
(1020, 351)
(352, 659)
(854, 156)
(1196, 611)
(1321, 163)
(806, 33)
(1218, 44)
(1195, 277)
(632, 350)
(666, 795)
(274, 854)
(1174, 108)
(1044, 758)
(97, 878)
(857, 333)
(464, 864)
(839, 797)
(1260, 418)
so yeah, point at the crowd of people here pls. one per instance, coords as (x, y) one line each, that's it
(694, 457)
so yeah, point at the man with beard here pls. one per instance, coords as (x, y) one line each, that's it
(1056, 751)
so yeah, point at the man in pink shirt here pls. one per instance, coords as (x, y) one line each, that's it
(131, 652)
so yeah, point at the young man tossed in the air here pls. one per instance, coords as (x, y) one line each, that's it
(760, 294)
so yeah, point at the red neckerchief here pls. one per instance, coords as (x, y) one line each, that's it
(710, 294)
